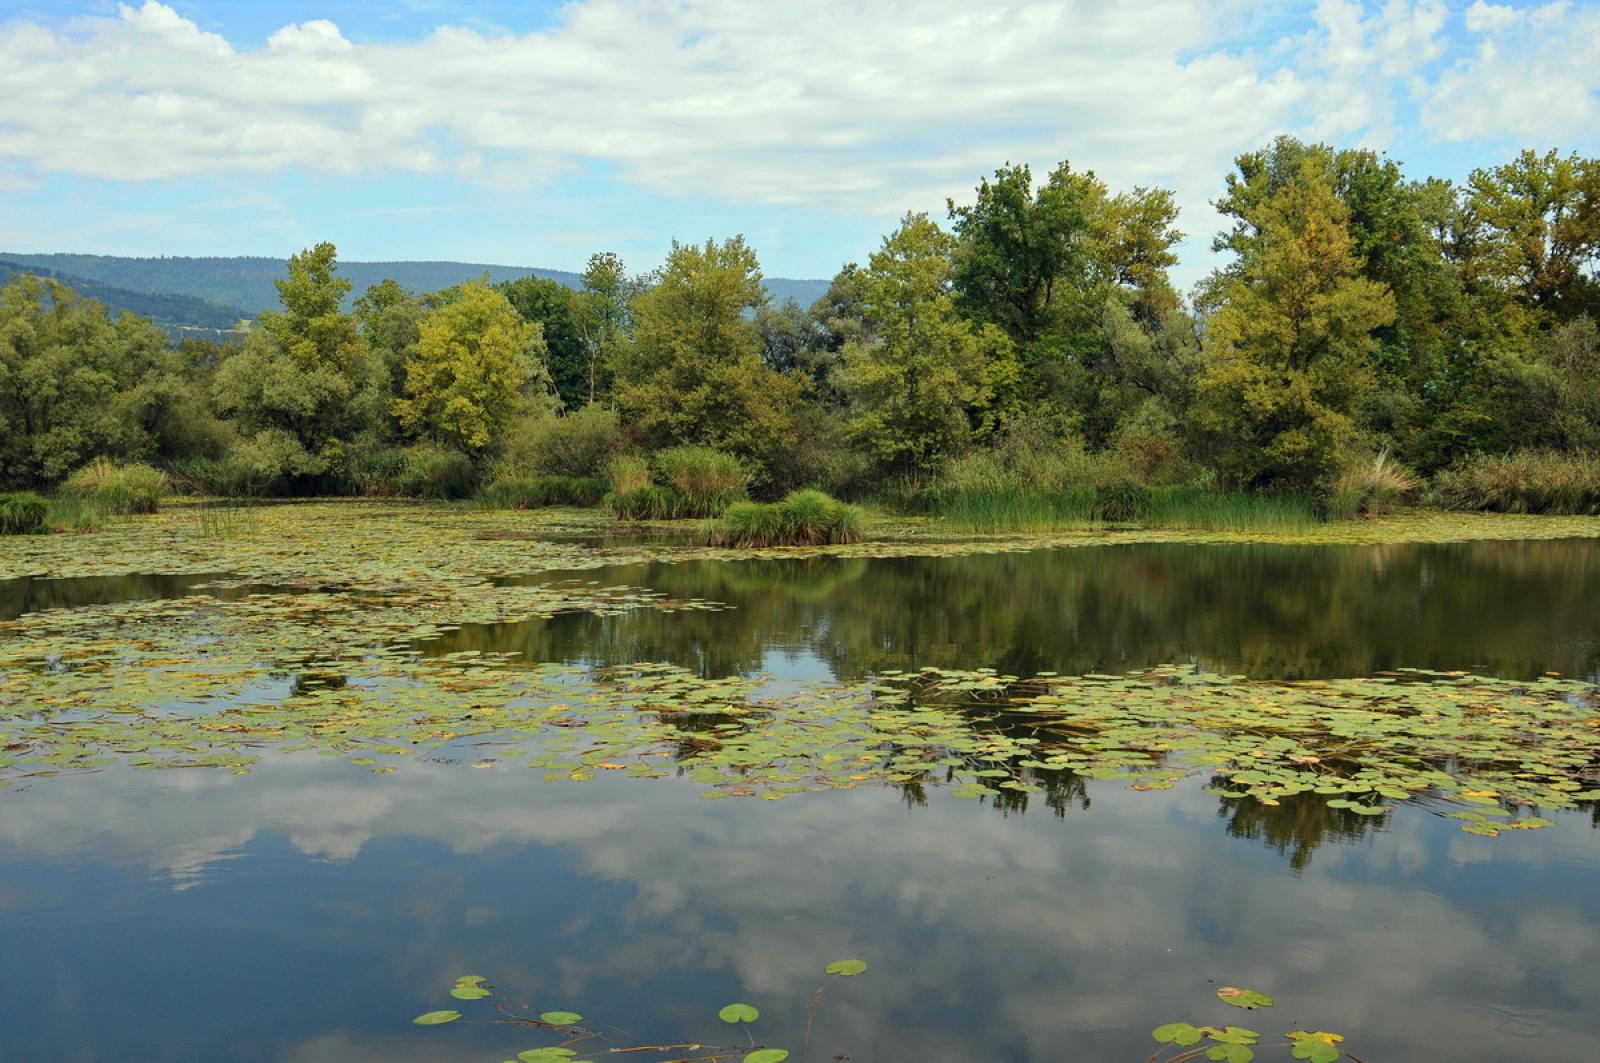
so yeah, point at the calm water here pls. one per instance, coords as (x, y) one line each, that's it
(304, 913)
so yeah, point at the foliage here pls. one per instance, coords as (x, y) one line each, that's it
(297, 374)
(628, 472)
(650, 502)
(118, 489)
(1522, 482)
(1289, 343)
(921, 388)
(75, 384)
(554, 308)
(804, 518)
(707, 481)
(1368, 488)
(508, 493)
(691, 372)
(22, 512)
(433, 471)
(475, 366)
(1536, 230)
(580, 443)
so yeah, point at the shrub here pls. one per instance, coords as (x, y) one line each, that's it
(1121, 503)
(1371, 488)
(708, 481)
(375, 472)
(804, 518)
(651, 502)
(433, 471)
(578, 445)
(627, 473)
(1529, 481)
(22, 512)
(531, 493)
(117, 489)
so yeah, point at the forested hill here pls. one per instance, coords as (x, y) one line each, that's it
(177, 313)
(247, 281)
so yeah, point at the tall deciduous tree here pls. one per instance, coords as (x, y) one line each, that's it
(475, 366)
(601, 314)
(298, 372)
(1289, 341)
(1536, 221)
(926, 379)
(553, 306)
(691, 371)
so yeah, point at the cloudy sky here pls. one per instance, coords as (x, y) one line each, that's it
(535, 133)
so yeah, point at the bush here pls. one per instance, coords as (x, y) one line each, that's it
(508, 493)
(627, 473)
(578, 445)
(117, 489)
(375, 472)
(708, 481)
(1529, 481)
(651, 502)
(433, 471)
(22, 512)
(1370, 488)
(804, 518)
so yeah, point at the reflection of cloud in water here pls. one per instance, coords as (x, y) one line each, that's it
(1083, 932)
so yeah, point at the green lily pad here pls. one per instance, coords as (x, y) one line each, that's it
(739, 1013)
(560, 1018)
(846, 968)
(436, 1018)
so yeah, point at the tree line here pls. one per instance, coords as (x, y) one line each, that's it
(1358, 313)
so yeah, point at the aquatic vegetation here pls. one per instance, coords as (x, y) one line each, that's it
(1527, 481)
(1236, 1044)
(575, 1038)
(804, 518)
(118, 490)
(536, 491)
(22, 512)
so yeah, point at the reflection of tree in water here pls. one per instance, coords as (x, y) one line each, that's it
(1296, 828)
(1509, 608)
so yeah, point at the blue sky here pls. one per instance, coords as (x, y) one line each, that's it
(534, 134)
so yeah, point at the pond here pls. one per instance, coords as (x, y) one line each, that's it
(298, 894)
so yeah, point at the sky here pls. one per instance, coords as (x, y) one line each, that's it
(537, 133)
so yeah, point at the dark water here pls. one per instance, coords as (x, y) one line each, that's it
(1512, 609)
(306, 912)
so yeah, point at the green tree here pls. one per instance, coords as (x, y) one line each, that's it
(389, 318)
(691, 371)
(1289, 341)
(922, 386)
(553, 307)
(298, 373)
(476, 365)
(1045, 264)
(75, 384)
(1536, 224)
(601, 315)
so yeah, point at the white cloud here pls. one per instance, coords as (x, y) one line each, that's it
(1532, 78)
(821, 105)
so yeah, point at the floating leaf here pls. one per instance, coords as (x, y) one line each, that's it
(469, 992)
(1177, 1033)
(739, 1013)
(767, 1055)
(436, 1018)
(846, 968)
(560, 1018)
(1248, 999)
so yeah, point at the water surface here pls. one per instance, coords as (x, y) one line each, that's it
(306, 912)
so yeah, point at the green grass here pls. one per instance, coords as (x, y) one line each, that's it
(1529, 481)
(804, 518)
(22, 512)
(707, 481)
(536, 491)
(117, 490)
(652, 502)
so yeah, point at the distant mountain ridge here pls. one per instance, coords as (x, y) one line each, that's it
(218, 285)
(179, 314)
